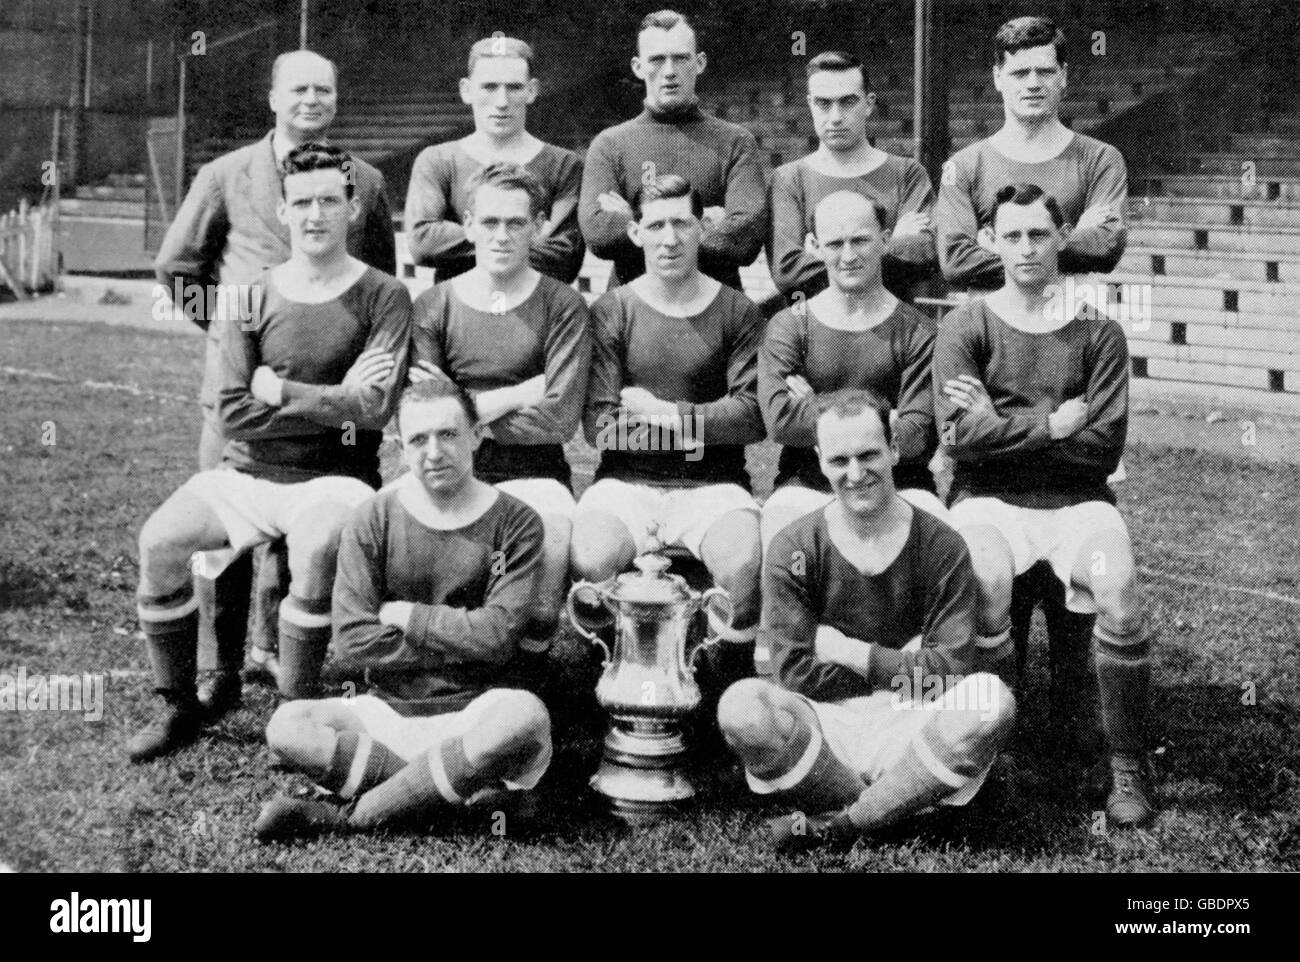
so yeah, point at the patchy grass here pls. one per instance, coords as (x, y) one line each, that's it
(1205, 526)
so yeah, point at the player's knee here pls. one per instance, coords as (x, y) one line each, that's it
(996, 708)
(165, 553)
(599, 546)
(283, 731)
(313, 549)
(746, 715)
(517, 718)
(1119, 607)
(979, 718)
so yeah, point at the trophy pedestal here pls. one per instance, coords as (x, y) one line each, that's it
(642, 772)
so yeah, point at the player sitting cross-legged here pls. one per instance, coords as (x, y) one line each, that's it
(1033, 404)
(306, 387)
(435, 584)
(868, 609)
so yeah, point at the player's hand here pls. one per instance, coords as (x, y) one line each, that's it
(530, 393)
(912, 224)
(1097, 216)
(639, 402)
(396, 614)
(713, 216)
(1069, 418)
(837, 648)
(267, 387)
(798, 386)
(372, 367)
(968, 392)
(612, 203)
(422, 371)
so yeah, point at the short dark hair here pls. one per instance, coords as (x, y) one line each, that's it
(314, 156)
(851, 401)
(506, 176)
(667, 187)
(1023, 195)
(664, 20)
(499, 45)
(1023, 33)
(434, 389)
(836, 61)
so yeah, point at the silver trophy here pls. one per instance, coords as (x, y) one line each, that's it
(648, 686)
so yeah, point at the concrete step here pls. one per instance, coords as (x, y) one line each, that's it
(1233, 186)
(1261, 214)
(1213, 265)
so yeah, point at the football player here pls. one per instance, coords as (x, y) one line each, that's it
(869, 609)
(227, 232)
(306, 386)
(673, 136)
(520, 343)
(840, 103)
(434, 587)
(1033, 400)
(500, 86)
(1090, 183)
(671, 403)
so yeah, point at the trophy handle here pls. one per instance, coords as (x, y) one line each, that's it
(591, 636)
(706, 600)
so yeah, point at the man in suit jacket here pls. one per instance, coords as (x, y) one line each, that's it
(225, 235)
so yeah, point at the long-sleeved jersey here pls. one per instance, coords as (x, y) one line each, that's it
(1086, 173)
(472, 589)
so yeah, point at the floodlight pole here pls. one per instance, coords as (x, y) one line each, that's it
(302, 24)
(930, 88)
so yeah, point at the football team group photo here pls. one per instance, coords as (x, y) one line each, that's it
(778, 472)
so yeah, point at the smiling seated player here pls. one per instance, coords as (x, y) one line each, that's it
(671, 403)
(435, 584)
(1037, 401)
(869, 610)
(500, 87)
(855, 333)
(845, 160)
(520, 343)
(305, 390)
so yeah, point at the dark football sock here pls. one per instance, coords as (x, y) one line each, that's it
(171, 628)
(410, 795)
(929, 770)
(359, 764)
(304, 638)
(1124, 682)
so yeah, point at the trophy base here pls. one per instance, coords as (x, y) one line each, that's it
(641, 773)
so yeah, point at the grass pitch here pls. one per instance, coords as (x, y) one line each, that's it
(83, 462)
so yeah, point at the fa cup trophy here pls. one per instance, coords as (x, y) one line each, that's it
(648, 686)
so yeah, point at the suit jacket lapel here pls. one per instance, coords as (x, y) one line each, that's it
(264, 188)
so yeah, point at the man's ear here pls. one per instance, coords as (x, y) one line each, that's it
(987, 239)
(893, 436)
(701, 62)
(531, 89)
(871, 104)
(466, 91)
(636, 69)
(354, 208)
(282, 212)
(812, 248)
(634, 232)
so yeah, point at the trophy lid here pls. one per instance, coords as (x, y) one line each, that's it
(651, 583)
